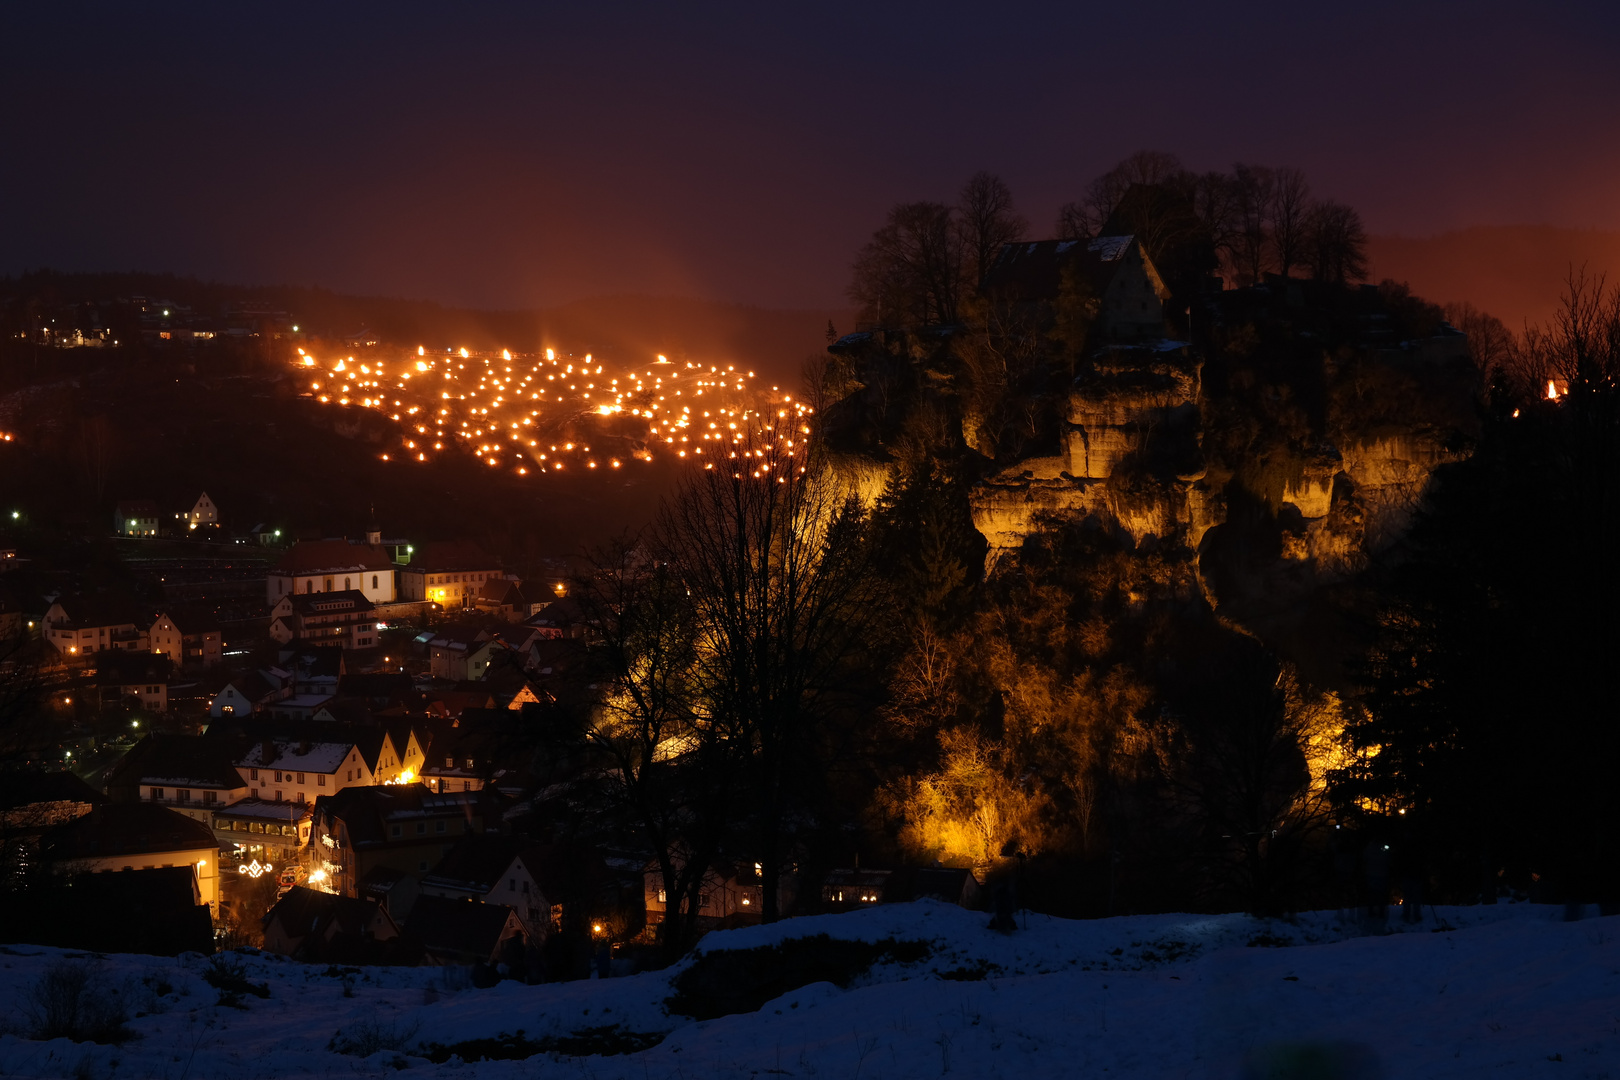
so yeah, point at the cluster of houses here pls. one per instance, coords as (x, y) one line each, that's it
(142, 518)
(350, 805)
(156, 321)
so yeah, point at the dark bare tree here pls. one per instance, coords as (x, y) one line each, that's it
(1493, 346)
(1151, 167)
(1252, 194)
(667, 767)
(1074, 222)
(778, 567)
(986, 221)
(1335, 245)
(910, 272)
(1290, 213)
(1214, 200)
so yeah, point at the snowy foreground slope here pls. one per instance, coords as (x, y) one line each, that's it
(1511, 991)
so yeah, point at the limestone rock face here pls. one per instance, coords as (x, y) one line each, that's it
(1390, 474)
(865, 478)
(1312, 493)
(1113, 411)
(1014, 504)
(1133, 457)
(1129, 454)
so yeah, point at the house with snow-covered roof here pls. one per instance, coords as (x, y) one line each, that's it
(302, 770)
(190, 774)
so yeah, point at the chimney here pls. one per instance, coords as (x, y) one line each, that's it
(268, 753)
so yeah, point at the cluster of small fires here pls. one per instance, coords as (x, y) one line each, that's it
(537, 413)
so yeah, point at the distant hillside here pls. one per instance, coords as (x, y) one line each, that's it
(1515, 272)
(773, 342)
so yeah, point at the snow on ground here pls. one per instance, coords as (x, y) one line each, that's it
(1511, 990)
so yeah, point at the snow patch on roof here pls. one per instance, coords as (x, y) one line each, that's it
(1110, 248)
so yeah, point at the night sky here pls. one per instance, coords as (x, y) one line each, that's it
(533, 154)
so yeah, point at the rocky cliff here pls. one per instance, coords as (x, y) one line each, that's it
(1133, 457)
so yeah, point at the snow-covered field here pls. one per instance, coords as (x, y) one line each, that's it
(1512, 990)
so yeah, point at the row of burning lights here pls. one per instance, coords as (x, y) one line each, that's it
(499, 417)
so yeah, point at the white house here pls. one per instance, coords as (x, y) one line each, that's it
(251, 693)
(78, 627)
(291, 770)
(203, 512)
(323, 566)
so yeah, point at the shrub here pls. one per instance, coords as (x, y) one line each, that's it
(366, 1037)
(228, 975)
(741, 980)
(72, 1001)
(605, 1041)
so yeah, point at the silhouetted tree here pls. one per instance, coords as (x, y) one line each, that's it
(669, 770)
(986, 221)
(1334, 243)
(777, 562)
(910, 272)
(1289, 214)
(1252, 196)
(1491, 681)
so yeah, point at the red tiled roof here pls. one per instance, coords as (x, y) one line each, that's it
(319, 556)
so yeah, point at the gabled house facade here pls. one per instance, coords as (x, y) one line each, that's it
(460, 657)
(1113, 271)
(311, 924)
(251, 693)
(78, 627)
(141, 678)
(493, 869)
(190, 639)
(203, 512)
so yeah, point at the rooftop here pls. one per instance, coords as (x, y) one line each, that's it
(321, 556)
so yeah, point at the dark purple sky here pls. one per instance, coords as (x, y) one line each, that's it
(532, 154)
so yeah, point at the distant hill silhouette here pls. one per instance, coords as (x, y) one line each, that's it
(1515, 272)
(773, 342)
